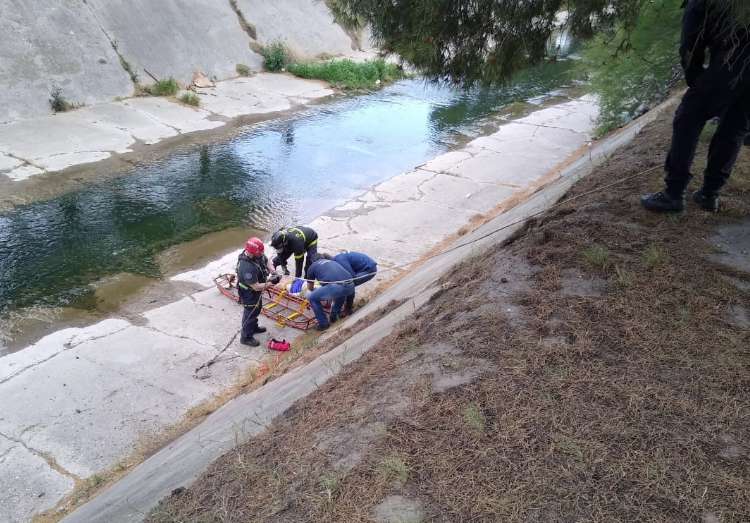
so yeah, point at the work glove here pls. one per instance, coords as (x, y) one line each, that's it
(274, 279)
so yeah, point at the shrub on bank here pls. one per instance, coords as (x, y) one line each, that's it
(168, 87)
(275, 56)
(348, 74)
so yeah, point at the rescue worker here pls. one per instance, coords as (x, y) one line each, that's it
(253, 269)
(300, 241)
(721, 90)
(336, 286)
(361, 267)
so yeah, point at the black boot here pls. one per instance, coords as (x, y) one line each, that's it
(250, 342)
(707, 201)
(260, 330)
(662, 202)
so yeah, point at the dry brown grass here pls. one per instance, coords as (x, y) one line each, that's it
(581, 391)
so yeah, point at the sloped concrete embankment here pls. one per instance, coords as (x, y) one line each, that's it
(180, 462)
(96, 50)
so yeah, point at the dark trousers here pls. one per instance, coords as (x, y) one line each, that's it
(359, 279)
(334, 292)
(250, 320)
(715, 94)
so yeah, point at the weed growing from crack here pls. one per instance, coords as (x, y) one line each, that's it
(242, 70)
(58, 102)
(190, 99)
(168, 87)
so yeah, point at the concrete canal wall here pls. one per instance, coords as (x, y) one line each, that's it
(94, 50)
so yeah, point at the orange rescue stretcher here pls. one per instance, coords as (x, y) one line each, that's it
(283, 308)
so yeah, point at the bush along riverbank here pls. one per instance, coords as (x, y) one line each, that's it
(341, 73)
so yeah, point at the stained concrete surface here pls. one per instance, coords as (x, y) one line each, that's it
(86, 398)
(177, 37)
(36, 486)
(733, 245)
(89, 134)
(305, 26)
(398, 509)
(54, 43)
(89, 48)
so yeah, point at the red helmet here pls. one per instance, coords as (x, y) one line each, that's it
(254, 247)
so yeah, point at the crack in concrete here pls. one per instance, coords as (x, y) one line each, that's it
(48, 458)
(543, 126)
(24, 162)
(179, 337)
(68, 345)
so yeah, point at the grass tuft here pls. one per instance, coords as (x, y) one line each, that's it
(58, 102)
(275, 56)
(168, 87)
(597, 256)
(474, 418)
(190, 99)
(394, 468)
(655, 256)
(242, 70)
(347, 74)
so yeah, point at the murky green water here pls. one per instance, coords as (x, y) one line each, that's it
(52, 252)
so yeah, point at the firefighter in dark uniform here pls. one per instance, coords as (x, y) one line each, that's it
(721, 90)
(253, 271)
(300, 241)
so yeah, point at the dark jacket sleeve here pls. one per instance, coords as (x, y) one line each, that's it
(694, 42)
(281, 258)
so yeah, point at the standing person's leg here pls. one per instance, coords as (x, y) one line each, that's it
(310, 256)
(250, 324)
(723, 151)
(316, 297)
(706, 100)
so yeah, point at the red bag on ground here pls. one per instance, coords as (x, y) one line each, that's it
(281, 346)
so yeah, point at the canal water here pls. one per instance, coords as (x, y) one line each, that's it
(54, 253)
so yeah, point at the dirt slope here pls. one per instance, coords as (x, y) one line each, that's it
(597, 368)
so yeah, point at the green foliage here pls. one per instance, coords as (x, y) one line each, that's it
(655, 256)
(58, 102)
(394, 468)
(275, 56)
(129, 69)
(482, 41)
(474, 418)
(633, 68)
(597, 256)
(190, 99)
(168, 87)
(243, 70)
(347, 74)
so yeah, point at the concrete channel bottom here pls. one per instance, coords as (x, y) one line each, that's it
(80, 400)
